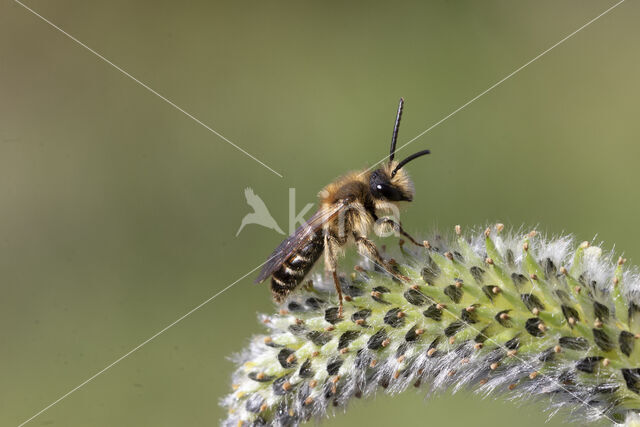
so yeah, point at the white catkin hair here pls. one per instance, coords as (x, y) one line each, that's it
(491, 312)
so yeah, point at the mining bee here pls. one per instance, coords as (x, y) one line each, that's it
(348, 209)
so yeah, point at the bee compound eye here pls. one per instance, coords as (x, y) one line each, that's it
(379, 187)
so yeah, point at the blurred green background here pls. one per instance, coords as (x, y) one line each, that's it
(118, 213)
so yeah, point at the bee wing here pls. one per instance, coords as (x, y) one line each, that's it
(298, 239)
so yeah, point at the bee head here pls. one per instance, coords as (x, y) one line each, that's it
(391, 182)
(393, 189)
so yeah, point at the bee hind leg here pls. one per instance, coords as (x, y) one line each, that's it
(336, 282)
(331, 262)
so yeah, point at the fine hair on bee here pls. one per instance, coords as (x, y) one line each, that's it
(349, 208)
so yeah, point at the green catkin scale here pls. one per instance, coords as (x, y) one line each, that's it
(491, 312)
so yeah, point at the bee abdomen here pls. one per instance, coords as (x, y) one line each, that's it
(297, 261)
(293, 270)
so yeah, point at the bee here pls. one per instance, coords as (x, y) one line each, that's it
(348, 210)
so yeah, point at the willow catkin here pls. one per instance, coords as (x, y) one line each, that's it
(493, 312)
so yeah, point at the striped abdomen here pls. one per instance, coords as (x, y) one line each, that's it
(295, 268)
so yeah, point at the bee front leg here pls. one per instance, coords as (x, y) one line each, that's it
(397, 227)
(331, 247)
(369, 249)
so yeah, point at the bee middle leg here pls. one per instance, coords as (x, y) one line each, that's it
(368, 248)
(397, 227)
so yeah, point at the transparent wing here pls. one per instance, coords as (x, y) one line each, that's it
(298, 239)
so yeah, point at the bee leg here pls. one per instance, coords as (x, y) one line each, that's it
(336, 282)
(369, 249)
(395, 226)
(331, 262)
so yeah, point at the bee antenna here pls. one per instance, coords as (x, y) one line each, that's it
(408, 159)
(394, 137)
